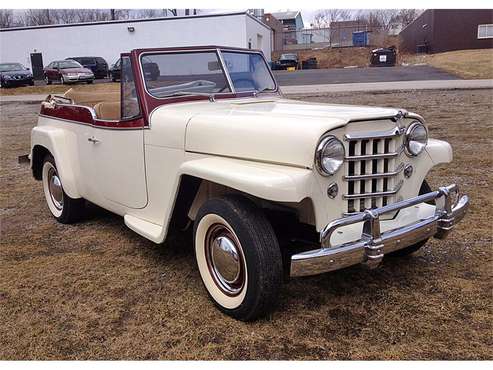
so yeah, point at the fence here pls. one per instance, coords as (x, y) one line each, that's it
(312, 38)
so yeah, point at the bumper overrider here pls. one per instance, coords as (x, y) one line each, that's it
(374, 244)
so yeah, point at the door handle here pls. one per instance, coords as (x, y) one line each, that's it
(93, 140)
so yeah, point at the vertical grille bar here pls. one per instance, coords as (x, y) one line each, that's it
(363, 174)
(381, 150)
(369, 170)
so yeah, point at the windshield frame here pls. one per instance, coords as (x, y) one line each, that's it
(232, 93)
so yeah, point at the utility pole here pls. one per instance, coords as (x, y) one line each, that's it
(112, 13)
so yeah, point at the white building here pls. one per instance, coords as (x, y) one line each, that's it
(109, 39)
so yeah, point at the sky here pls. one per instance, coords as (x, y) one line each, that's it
(307, 14)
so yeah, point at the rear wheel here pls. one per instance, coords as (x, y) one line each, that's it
(65, 209)
(238, 257)
(425, 188)
(47, 80)
(90, 81)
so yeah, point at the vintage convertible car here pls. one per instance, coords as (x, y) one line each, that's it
(273, 186)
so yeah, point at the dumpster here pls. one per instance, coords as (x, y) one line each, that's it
(360, 38)
(383, 57)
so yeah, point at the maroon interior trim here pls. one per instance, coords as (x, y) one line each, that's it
(83, 115)
(68, 112)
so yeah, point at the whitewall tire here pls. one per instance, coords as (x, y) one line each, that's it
(65, 209)
(238, 257)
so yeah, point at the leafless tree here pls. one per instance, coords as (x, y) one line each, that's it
(37, 17)
(408, 15)
(6, 18)
(150, 13)
(324, 17)
(378, 18)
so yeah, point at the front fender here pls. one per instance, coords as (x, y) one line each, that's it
(439, 151)
(266, 181)
(55, 141)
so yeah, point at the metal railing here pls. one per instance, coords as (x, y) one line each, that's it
(312, 38)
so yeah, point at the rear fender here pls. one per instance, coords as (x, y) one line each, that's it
(56, 142)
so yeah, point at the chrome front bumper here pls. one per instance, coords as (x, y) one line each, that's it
(373, 244)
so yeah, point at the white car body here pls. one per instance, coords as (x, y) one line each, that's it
(259, 146)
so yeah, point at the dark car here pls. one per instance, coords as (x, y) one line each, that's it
(15, 74)
(67, 71)
(287, 60)
(151, 70)
(97, 65)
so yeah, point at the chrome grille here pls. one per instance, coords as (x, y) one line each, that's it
(373, 169)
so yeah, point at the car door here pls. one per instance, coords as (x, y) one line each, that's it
(49, 71)
(117, 149)
(55, 72)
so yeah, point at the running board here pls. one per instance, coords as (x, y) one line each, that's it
(145, 228)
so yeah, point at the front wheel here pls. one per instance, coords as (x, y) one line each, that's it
(238, 257)
(65, 209)
(47, 80)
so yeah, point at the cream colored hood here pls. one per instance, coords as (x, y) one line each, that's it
(276, 131)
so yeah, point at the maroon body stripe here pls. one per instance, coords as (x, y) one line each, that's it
(83, 115)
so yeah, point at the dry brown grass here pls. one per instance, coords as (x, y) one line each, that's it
(468, 64)
(96, 290)
(58, 89)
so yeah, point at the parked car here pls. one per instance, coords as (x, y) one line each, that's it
(151, 70)
(97, 65)
(310, 63)
(287, 60)
(15, 74)
(271, 185)
(67, 71)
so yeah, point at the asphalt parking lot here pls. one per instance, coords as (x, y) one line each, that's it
(361, 75)
(349, 75)
(96, 290)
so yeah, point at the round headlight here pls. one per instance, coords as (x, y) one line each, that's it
(329, 156)
(416, 138)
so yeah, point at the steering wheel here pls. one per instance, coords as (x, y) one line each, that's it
(241, 81)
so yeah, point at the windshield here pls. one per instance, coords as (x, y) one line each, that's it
(68, 64)
(7, 67)
(201, 73)
(189, 73)
(248, 71)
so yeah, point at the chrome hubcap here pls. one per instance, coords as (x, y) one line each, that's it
(225, 259)
(55, 187)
